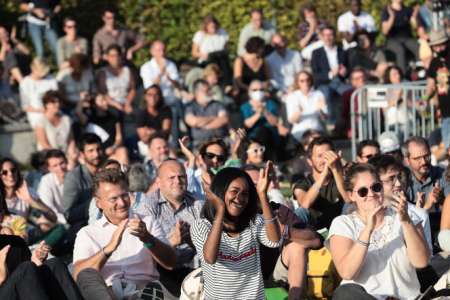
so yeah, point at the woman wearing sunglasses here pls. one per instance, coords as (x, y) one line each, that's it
(376, 248)
(22, 201)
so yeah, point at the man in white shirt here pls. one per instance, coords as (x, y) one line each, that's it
(116, 256)
(283, 63)
(352, 21)
(51, 187)
(161, 71)
(257, 27)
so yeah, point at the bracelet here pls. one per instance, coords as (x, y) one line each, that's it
(150, 244)
(104, 253)
(365, 244)
(271, 220)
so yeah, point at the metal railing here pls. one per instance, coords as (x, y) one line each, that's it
(369, 105)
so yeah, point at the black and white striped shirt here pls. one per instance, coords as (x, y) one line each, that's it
(236, 274)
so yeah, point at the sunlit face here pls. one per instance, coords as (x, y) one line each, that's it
(236, 197)
(4, 35)
(394, 182)
(394, 76)
(53, 106)
(114, 201)
(109, 19)
(159, 149)
(367, 153)
(419, 159)
(70, 27)
(158, 50)
(57, 166)
(172, 180)
(317, 160)
(303, 81)
(211, 28)
(357, 79)
(8, 173)
(214, 156)
(257, 19)
(255, 153)
(373, 199)
(328, 37)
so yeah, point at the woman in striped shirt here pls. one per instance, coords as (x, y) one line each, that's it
(227, 236)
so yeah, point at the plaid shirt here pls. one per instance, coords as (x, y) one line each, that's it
(159, 208)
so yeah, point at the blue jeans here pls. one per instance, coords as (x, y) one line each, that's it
(304, 215)
(445, 131)
(37, 33)
(332, 92)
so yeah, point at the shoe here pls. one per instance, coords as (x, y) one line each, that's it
(152, 291)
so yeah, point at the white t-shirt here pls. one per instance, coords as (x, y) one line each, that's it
(57, 136)
(17, 206)
(283, 69)
(50, 192)
(208, 43)
(346, 22)
(386, 270)
(310, 112)
(31, 92)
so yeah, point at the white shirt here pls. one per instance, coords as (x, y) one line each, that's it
(310, 111)
(118, 85)
(332, 56)
(208, 43)
(31, 93)
(346, 22)
(150, 71)
(283, 69)
(386, 270)
(50, 191)
(130, 262)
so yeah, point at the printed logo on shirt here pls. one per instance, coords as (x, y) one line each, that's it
(442, 78)
(246, 254)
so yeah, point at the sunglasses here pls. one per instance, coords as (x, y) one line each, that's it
(6, 171)
(257, 150)
(364, 191)
(257, 90)
(210, 156)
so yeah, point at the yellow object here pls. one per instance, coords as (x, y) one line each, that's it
(322, 275)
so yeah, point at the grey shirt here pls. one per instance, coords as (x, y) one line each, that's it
(266, 33)
(212, 109)
(77, 195)
(436, 175)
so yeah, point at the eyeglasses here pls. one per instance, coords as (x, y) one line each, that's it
(125, 197)
(364, 191)
(257, 90)
(391, 179)
(70, 26)
(261, 149)
(6, 171)
(210, 156)
(368, 156)
(426, 157)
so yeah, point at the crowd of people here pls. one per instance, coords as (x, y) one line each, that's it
(148, 177)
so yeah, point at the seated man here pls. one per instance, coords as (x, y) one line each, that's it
(321, 194)
(26, 275)
(116, 256)
(176, 209)
(207, 118)
(158, 151)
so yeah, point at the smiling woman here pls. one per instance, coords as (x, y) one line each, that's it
(228, 235)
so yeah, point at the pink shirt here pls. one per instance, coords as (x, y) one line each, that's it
(130, 262)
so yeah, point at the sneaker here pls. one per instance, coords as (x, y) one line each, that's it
(152, 291)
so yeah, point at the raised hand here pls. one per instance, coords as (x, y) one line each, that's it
(332, 159)
(40, 254)
(183, 142)
(116, 237)
(265, 178)
(212, 198)
(3, 267)
(237, 136)
(138, 228)
(24, 194)
(420, 199)
(371, 217)
(400, 205)
(433, 196)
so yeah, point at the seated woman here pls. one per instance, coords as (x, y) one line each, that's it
(54, 129)
(251, 152)
(376, 248)
(249, 67)
(78, 84)
(99, 118)
(228, 235)
(261, 116)
(209, 45)
(367, 56)
(26, 275)
(156, 116)
(22, 201)
(306, 108)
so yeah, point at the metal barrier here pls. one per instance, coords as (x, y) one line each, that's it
(370, 104)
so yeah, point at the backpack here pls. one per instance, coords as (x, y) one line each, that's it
(322, 277)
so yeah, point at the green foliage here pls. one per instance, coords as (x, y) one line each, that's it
(176, 21)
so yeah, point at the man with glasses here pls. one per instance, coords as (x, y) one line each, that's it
(367, 149)
(110, 34)
(321, 194)
(207, 118)
(116, 256)
(427, 181)
(70, 44)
